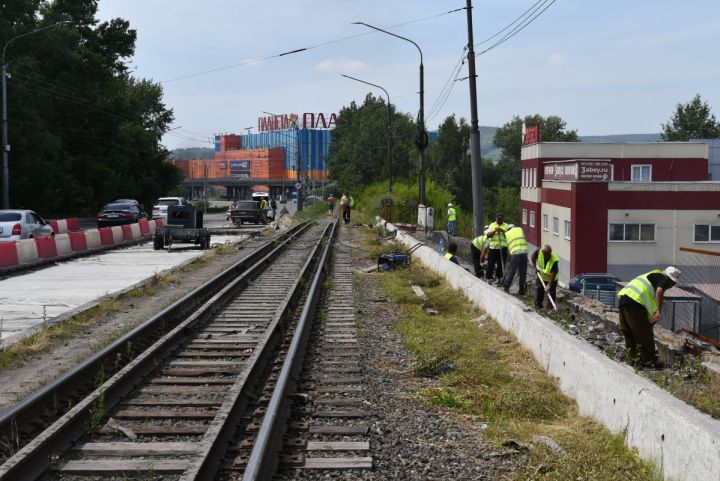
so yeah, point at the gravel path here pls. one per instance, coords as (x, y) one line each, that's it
(409, 439)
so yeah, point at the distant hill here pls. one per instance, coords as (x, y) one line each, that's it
(622, 138)
(193, 153)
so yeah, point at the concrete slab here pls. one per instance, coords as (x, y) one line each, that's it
(683, 442)
(30, 299)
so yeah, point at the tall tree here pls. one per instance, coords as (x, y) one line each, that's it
(358, 152)
(449, 159)
(693, 120)
(83, 130)
(552, 128)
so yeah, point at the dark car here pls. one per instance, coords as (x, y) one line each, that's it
(119, 213)
(247, 211)
(592, 282)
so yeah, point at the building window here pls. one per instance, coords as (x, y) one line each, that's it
(641, 173)
(524, 177)
(534, 177)
(546, 222)
(532, 218)
(556, 226)
(567, 229)
(632, 232)
(706, 233)
(524, 216)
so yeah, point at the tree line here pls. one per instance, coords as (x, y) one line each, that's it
(83, 131)
(357, 156)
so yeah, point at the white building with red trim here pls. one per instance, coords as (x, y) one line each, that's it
(622, 208)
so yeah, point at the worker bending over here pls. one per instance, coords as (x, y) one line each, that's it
(450, 254)
(547, 266)
(517, 248)
(478, 253)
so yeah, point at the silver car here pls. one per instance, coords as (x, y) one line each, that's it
(22, 224)
(159, 210)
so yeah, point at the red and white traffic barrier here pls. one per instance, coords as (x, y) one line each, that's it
(27, 251)
(62, 244)
(117, 233)
(46, 247)
(8, 254)
(82, 241)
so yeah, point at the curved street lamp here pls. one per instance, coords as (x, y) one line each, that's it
(5, 145)
(422, 135)
(389, 156)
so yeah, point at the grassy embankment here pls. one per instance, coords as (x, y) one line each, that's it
(495, 381)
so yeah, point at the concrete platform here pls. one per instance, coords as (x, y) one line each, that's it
(30, 299)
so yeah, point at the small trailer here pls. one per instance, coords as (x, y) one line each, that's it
(184, 225)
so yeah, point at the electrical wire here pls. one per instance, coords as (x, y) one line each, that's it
(547, 4)
(311, 47)
(510, 24)
(447, 88)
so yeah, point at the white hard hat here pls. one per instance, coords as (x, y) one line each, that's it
(673, 273)
(450, 205)
(510, 226)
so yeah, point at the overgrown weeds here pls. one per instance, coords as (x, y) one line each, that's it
(484, 373)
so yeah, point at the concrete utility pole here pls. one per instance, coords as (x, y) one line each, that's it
(475, 158)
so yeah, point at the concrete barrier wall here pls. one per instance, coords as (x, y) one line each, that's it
(682, 441)
(135, 231)
(62, 244)
(152, 225)
(117, 234)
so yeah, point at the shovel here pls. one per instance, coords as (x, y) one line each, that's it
(548, 292)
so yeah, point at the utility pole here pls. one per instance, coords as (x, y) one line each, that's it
(475, 158)
(5, 146)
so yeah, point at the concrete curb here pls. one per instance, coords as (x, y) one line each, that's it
(683, 442)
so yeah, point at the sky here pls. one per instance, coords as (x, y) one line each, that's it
(610, 67)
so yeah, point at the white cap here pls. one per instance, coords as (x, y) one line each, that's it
(510, 226)
(673, 273)
(449, 205)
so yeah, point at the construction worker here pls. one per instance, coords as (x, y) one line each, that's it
(497, 245)
(517, 248)
(547, 266)
(640, 303)
(346, 203)
(478, 252)
(450, 254)
(263, 209)
(451, 218)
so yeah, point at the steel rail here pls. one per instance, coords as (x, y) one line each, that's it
(32, 459)
(224, 426)
(263, 460)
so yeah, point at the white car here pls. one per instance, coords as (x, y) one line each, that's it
(22, 224)
(159, 210)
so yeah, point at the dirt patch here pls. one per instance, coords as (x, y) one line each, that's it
(128, 311)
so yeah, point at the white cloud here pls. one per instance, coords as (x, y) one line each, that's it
(341, 64)
(558, 59)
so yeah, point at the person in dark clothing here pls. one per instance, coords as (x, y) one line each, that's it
(640, 303)
(497, 245)
(451, 251)
(547, 265)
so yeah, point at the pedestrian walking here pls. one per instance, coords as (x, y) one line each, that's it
(547, 266)
(331, 205)
(263, 209)
(640, 303)
(273, 207)
(346, 203)
(497, 245)
(451, 251)
(451, 219)
(517, 248)
(478, 252)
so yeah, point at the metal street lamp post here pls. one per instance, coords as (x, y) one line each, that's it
(5, 144)
(422, 140)
(389, 155)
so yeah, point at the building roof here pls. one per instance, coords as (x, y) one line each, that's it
(624, 150)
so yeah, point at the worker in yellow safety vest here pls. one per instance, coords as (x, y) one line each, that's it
(547, 266)
(497, 243)
(518, 250)
(451, 219)
(640, 303)
(450, 254)
(478, 252)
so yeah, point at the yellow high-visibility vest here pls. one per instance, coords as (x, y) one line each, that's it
(546, 267)
(516, 241)
(452, 215)
(479, 242)
(497, 240)
(641, 291)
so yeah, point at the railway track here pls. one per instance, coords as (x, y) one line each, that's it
(172, 410)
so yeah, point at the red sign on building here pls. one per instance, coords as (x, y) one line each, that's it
(578, 170)
(290, 121)
(532, 135)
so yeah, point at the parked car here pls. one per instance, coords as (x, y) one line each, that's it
(594, 281)
(22, 224)
(159, 210)
(247, 211)
(119, 213)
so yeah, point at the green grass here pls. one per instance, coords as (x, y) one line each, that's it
(484, 374)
